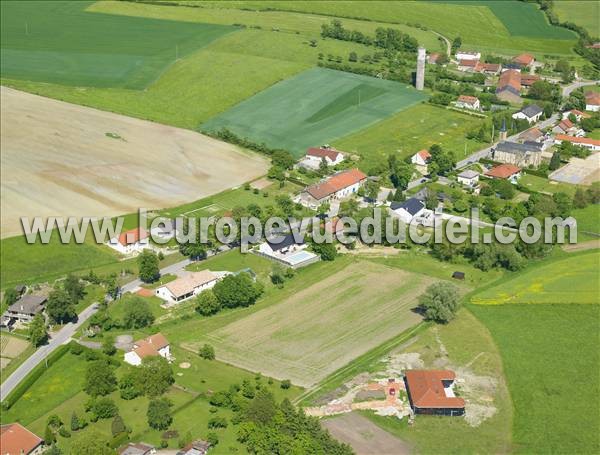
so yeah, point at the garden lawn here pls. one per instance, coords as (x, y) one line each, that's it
(313, 108)
(551, 357)
(543, 185)
(411, 130)
(573, 280)
(588, 221)
(59, 42)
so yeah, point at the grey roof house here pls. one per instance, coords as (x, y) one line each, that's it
(24, 309)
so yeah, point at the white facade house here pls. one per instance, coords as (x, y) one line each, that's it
(154, 345)
(467, 55)
(331, 155)
(591, 144)
(129, 242)
(188, 286)
(531, 113)
(339, 186)
(421, 158)
(286, 251)
(468, 178)
(468, 102)
(592, 102)
(408, 210)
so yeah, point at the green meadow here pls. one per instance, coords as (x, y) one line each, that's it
(581, 12)
(60, 42)
(313, 108)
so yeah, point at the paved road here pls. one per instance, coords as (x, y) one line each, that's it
(566, 91)
(65, 334)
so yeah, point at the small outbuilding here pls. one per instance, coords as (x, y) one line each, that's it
(458, 275)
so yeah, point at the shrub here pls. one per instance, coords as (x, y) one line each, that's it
(207, 352)
(286, 384)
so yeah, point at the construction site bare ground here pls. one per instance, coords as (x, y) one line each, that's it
(60, 159)
(325, 326)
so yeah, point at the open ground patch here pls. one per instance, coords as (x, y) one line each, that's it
(314, 107)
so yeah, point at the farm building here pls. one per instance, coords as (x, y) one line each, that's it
(166, 229)
(468, 178)
(468, 102)
(531, 135)
(189, 285)
(408, 210)
(421, 158)
(195, 448)
(520, 154)
(490, 68)
(154, 345)
(315, 155)
(339, 186)
(531, 113)
(431, 392)
(527, 80)
(592, 101)
(15, 439)
(524, 60)
(132, 241)
(567, 127)
(468, 65)
(505, 172)
(576, 113)
(137, 448)
(286, 251)
(592, 144)
(468, 55)
(23, 310)
(509, 86)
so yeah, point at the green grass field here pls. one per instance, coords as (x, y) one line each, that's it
(543, 185)
(569, 280)
(411, 130)
(550, 356)
(489, 28)
(580, 12)
(60, 42)
(313, 108)
(588, 220)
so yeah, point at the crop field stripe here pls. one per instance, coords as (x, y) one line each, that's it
(317, 106)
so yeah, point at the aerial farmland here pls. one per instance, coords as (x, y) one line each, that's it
(332, 227)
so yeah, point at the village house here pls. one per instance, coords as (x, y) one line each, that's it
(532, 135)
(23, 310)
(491, 68)
(531, 113)
(15, 439)
(509, 86)
(195, 448)
(188, 286)
(286, 251)
(421, 158)
(468, 178)
(527, 80)
(154, 345)
(592, 101)
(520, 154)
(505, 172)
(567, 127)
(468, 65)
(338, 186)
(468, 102)
(315, 156)
(431, 392)
(576, 113)
(468, 55)
(591, 144)
(137, 448)
(524, 60)
(166, 229)
(132, 241)
(407, 210)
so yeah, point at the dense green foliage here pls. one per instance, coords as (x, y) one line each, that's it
(440, 302)
(237, 291)
(100, 378)
(148, 265)
(137, 314)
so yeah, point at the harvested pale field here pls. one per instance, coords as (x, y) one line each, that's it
(10, 347)
(579, 171)
(66, 160)
(364, 436)
(323, 327)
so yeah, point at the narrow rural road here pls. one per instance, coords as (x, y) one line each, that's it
(65, 334)
(566, 91)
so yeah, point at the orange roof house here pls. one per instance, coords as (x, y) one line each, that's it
(524, 59)
(509, 86)
(322, 152)
(503, 171)
(132, 236)
(592, 144)
(430, 392)
(592, 101)
(152, 346)
(336, 183)
(527, 80)
(15, 439)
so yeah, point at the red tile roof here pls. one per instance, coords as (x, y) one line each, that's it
(524, 59)
(468, 99)
(503, 171)
(336, 183)
(424, 154)
(150, 346)
(427, 390)
(470, 63)
(132, 236)
(565, 124)
(319, 152)
(510, 78)
(15, 439)
(493, 67)
(592, 98)
(577, 113)
(577, 140)
(529, 79)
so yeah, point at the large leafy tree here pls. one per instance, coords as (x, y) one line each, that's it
(439, 302)
(37, 331)
(148, 266)
(156, 376)
(91, 443)
(207, 303)
(74, 287)
(237, 290)
(60, 307)
(159, 414)
(137, 314)
(100, 378)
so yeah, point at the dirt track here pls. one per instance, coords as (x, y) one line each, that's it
(57, 159)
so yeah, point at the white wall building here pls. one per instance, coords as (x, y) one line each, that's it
(129, 242)
(531, 113)
(467, 55)
(154, 345)
(468, 178)
(421, 158)
(407, 210)
(189, 285)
